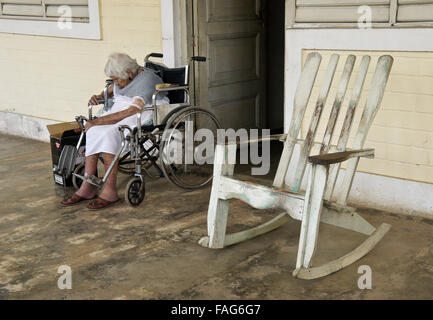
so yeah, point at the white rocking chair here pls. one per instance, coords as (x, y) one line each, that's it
(317, 204)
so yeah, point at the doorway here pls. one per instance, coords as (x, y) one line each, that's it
(275, 40)
(242, 81)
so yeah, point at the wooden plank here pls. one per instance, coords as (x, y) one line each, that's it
(320, 104)
(415, 13)
(347, 124)
(311, 215)
(259, 197)
(331, 158)
(218, 208)
(334, 3)
(393, 12)
(374, 99)
(23, 10)
(414, 1)
(351, 257)
(345, 219)
(354, 101)
(290, 13)
(263, 197)
(273, 224)
(339, 98)
(338, 14)
(303, 93)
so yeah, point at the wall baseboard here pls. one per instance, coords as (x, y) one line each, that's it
(392, 195)
(16, 124)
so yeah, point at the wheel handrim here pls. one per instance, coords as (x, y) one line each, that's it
(174, 173)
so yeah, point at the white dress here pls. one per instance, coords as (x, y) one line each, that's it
(106, 138)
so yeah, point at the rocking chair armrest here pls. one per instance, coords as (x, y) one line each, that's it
(336, 157)
(261, 139)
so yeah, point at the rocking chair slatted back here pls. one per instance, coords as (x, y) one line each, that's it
(306, 150)
(374, 99)
(303, 93)
(347, 124)
(320, 104)
(302, 98)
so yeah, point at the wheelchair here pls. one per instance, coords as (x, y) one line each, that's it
(151, 149)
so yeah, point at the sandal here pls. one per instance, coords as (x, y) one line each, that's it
(100, 203)
(74, 200)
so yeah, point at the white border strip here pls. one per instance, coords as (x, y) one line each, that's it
(168, 33)
(91, 30)
(392, 195)
(172, 17)
(16, 124)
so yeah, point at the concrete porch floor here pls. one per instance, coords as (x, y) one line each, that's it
(152, 253)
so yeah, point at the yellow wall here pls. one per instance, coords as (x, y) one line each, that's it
(402, 132)
(53, 78)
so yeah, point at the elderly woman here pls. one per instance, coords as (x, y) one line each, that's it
(132, 90)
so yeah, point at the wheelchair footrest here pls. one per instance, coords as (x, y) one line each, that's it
(93, 180)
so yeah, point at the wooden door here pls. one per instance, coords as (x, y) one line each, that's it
(230, 84)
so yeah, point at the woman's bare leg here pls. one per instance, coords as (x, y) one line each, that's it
(86, 190)
(109, 192)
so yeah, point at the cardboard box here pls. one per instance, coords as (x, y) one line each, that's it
(63, 134)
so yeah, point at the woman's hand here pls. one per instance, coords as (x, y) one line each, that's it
(88, 125)
(94, 99)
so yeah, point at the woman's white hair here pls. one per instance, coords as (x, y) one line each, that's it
(118, 64)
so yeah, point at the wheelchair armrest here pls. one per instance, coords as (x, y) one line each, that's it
(100, 101)
(171, 87)
(167, 89)
(166, 85)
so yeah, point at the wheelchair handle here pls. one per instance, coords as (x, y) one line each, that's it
(199, 59)
(123, 128)
(153, 55)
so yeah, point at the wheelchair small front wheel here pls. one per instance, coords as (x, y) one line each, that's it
(135, 192)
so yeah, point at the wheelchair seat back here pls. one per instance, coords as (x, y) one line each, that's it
(178, 76)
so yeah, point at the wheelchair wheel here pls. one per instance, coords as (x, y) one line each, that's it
(185, 162)
(135, 192)
(77, 182)
(126, 165)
